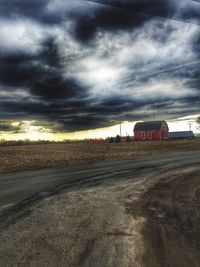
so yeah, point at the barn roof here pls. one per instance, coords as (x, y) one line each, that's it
(148, 126)
(182, 134)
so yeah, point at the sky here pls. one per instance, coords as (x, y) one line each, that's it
(76, 68)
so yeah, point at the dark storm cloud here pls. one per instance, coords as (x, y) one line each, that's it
(38, 9)
(106, 18)
(41, 73)
(39, 81)
(124, 15)
(171, 9)
(28, 9)
(22, 7)
(107, 14)
(15, 70)
(6, 127)
(12, 128)
(156, 7)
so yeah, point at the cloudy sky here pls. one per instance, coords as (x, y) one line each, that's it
(77, 68)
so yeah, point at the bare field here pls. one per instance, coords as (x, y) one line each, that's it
(19, 158)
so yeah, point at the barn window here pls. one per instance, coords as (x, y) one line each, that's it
(149, 134)
(143, 135)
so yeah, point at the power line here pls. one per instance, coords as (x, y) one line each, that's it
(161, 70)
(196, 1)
(158, 70)
(144, 13)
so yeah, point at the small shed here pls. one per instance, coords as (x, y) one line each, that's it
(181, 135)
(151, 130)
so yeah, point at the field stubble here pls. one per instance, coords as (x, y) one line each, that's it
(19, 158)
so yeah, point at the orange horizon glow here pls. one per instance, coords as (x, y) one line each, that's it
(35, 133)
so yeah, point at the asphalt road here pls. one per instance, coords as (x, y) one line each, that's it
(140, 212)
(16, 187)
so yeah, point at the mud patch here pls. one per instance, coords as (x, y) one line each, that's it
(171, 233)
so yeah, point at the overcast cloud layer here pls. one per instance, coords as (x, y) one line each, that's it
(77, 65)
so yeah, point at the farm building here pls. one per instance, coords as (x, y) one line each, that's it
(151, 130)
(181, 135)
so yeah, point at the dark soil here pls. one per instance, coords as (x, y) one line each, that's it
(172, 230)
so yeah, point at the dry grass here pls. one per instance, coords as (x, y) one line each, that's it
(18, 158)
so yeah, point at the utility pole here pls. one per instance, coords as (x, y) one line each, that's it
(190, 126)
(120, 129)
(154, 111)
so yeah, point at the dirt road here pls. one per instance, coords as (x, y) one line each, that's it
(123, 213)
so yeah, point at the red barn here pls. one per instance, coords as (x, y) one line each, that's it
(151, 130)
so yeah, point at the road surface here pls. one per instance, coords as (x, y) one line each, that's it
(15, 187)
(158, 197)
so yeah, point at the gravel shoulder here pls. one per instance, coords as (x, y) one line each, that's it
(83, 227)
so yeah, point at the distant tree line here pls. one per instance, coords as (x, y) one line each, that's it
(30, 142)
(119, 139)
(27, 142)
(198, 122)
